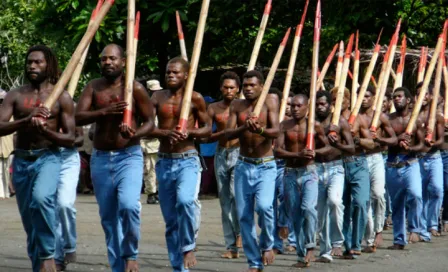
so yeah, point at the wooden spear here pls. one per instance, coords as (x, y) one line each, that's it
(341, 86)
(424, 89)
(337, 78)
(292, 63)
(320, 80)
(76, 57)
(399, 80)
(422, 65)
(381, 77)
(130, 64)
(445, 79)
(270, 78)
(374, 82)
(313, 88)
(186, 101)
(180, 34)
(355, 84)
(365, 82)
(77, 73)
(382, 93)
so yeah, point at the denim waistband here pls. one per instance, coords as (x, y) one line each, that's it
(354, 158)
(228, 149)
(310, 167)
(183, 155)
(114, 152)
(330, 163)
(32, 154)
(429, 155)
(256, 160)
(68, 149)
(401, 164)
(444, 152)
(375, 154)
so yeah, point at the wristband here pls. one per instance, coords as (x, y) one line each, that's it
(262, 130)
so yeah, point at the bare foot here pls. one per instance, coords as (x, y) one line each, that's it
(131, 266)
(389, 220)
(386, 227)
(336, 251)
(369, 249)
(378, 239)
(301, 265)
(239, 242)
(348, 255)
(445, 227)
(310, 255)
(291, 249)
(70, 258)
(277, 251)
(189, 260)
(323, 260)
(268, 257)
(48, 266)
(414, 238)
(355, 252)
(230, 255)
(435, 233)
(396, 247)
(60, 267)
(254, 270)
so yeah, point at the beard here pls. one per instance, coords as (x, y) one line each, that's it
(111, 75)
(322, 114)
(40, 77)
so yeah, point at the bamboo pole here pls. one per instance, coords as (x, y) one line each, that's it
(186, 101)
(313, 88)
(77, 73)
(374, 82)
(390, 61)
(392, 73)
(180, 34)
(76, 57)
(355, 84)
(424, 89)
(399, 80)
(445, 78)
(381, 77)
(270, 78)
(130, 65)
(422, 65)
(320, 80)
(292, 63)
(341, 86)
(337, 78)
(365, 83)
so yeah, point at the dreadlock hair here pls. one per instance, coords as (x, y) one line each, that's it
(52, 63)
(230, 75)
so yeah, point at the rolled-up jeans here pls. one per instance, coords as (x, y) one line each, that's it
(330, 208)
(66, 197)
(431, 169)
(355, 199)
(117, 177)
(405, 188)
(254, 191)
(388, 211)
(377, 203)
(225, 160)
(444, 154)
(301, 191)
(178, 175)
(35, 179)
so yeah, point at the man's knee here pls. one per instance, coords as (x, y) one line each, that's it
(334, 202)
(264, 207)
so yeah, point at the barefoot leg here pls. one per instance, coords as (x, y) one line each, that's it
(48, 266)
(132, 266)
(336, 251)
(268, 257)
(189, 259)
(378, 239)
(414, 238)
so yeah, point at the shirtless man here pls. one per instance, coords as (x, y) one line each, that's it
(330, 170)
(384, 136)
(301, 180)
(225, 160)
(178, 167)
(117, 159)
(255, 170)
(444, 154)
(403, 172)
(431, 168)
(387, 104)
(37, 161)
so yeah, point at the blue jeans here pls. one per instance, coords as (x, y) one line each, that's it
(225, 160)
(405, 188)
(355, 199)
(330, 208)
(178, 179)
(254, 191)
(431, 168)
(66, 197)
(117, 178)
(388, 211)
(36, 181)
(301, 190)
(444, 154)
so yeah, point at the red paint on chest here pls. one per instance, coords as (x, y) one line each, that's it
(169, 110)
(222, 117)
(292, 136)
(30, 103)
(261, 118)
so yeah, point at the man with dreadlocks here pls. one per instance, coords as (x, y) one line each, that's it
(40, 131)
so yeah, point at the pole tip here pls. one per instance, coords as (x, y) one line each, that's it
(348, 50)
(285, 39)
(137, 25)
(268, 7)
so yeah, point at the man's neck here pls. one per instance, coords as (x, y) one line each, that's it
(115, 82)
(403, 113)
(226, 102)
(41, 86)
(177, 91)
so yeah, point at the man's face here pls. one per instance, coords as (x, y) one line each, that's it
(299, 107)
(386, 105)
(112, 63)
(426, 99)
(229, 89)
(252, 88)
(368, 100)
(36, 67)
(322, 107)
(345, 102)
(400, 100)
(288, 107)
(175, 76)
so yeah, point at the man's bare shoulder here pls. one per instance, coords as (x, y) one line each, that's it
(287, 124)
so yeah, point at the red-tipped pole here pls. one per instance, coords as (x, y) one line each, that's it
(180, 34)
(339, 64)
(313, 89)
(421, 65)
(320, 80)
(355, 83)
(445, 77)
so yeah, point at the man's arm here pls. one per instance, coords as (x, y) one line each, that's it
(439, 132)
(156, 132)
(145, 109)
(231, 131)
(272, 131)
(79, 137)
(322, 139)
(204, 129)
(387, 128)
(346, 144)
(365, 138)
(419, 138)
(215, 135)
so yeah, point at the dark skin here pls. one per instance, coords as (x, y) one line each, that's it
(102, 103)
(439, 128)
(38, 127)
(219, 113)
(291, 146)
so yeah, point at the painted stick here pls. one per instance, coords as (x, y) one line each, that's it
(374, 81)
(355, 84)
(365, 83)
(351, 77)
(313, 88)
(381, 77)
(130, 65)
(76, 57)
(337, 78)
(292, 63)
(424, 89)
(422, 65)
(445, 79)
(77, 73)
(392, 73)
(382, 93)
(136, 32)
(399, 79)
(320, 80)
(341, 86)
(180, 34)
(186, 101)
(270, 77)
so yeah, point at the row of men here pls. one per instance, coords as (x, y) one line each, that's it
(344, 176)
